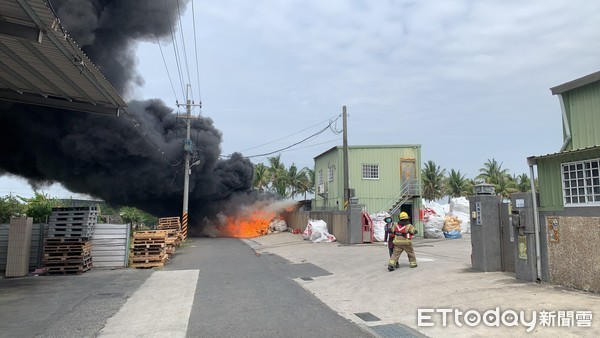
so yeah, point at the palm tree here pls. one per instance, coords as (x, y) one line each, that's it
(523, 183)
(306, 181)
(261, 177)
(295, 177)
(278, 175)
(492, 172)
(456, 184)
(432, 177)
(505, 186)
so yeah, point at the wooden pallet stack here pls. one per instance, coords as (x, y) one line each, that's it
(149, 249)
(173, 240)
(174, 235)
(64, 255)
(169, 223)
(68, 248)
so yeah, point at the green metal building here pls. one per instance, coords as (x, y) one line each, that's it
(569, 179)
(382, 178)
(569, 190)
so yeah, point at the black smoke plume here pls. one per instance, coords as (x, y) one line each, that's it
(105, 156)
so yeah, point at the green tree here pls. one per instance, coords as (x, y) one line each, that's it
(307, 181)
(432, 177)
(40, 206)
(278, 175)
(492, 172)
(457, 185)
(261, 177)
(293, 180)
(10, 206)
(523, 183)
(505, 186)
(137, 218)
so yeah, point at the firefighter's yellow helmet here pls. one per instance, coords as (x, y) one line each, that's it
(403, 215)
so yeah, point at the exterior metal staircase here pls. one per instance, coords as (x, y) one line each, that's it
(408, 190)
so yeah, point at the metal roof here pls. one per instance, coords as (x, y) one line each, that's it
(380, 146)
(582, 81)
(533, 159)
(40, 64)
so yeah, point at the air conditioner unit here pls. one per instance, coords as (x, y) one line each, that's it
(321, 189)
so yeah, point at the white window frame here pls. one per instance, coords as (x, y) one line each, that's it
(370, 171)
(330, 171)
(320, 176)
(581, 183)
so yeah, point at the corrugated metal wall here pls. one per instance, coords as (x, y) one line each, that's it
(110, 245)
(36, 245)
(583, 107)
(374, 194)
(550, 178)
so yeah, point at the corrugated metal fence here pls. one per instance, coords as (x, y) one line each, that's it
(110, 245)
(35, 254)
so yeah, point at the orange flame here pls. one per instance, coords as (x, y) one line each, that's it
(252, 224)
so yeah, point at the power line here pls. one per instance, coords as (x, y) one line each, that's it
(166, 67)
(187, 67)
(196, 54)
(294, 144)
(290, 135)
(175, 51)
(140, 129)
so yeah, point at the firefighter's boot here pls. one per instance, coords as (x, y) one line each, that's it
(390, 267)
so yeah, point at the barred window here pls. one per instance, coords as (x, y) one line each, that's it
(581, 182)
(320, 176)
(370, 172)
(330, 172)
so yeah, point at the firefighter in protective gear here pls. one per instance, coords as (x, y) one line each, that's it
(404, 232)
(389, 236)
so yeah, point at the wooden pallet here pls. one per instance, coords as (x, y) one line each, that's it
(147, 265)
(149, 258)
(63, 270)
(166, 220)
(57, 248)
(68, 262)
(150, 234)
(148, 245)
(137, 252)
(61, 240)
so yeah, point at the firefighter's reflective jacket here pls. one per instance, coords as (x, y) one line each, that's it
(404, 233)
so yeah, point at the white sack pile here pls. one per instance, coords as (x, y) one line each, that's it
(379, 225)
(432, 223)
(316, 231)
(459, 207)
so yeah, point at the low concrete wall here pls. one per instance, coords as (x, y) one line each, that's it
(573, 251)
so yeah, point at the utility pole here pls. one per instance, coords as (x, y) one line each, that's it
(345, 145)
(188, 149)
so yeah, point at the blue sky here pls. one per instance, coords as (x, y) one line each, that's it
(468, 80)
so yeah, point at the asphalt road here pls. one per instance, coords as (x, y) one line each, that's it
(236, 293)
